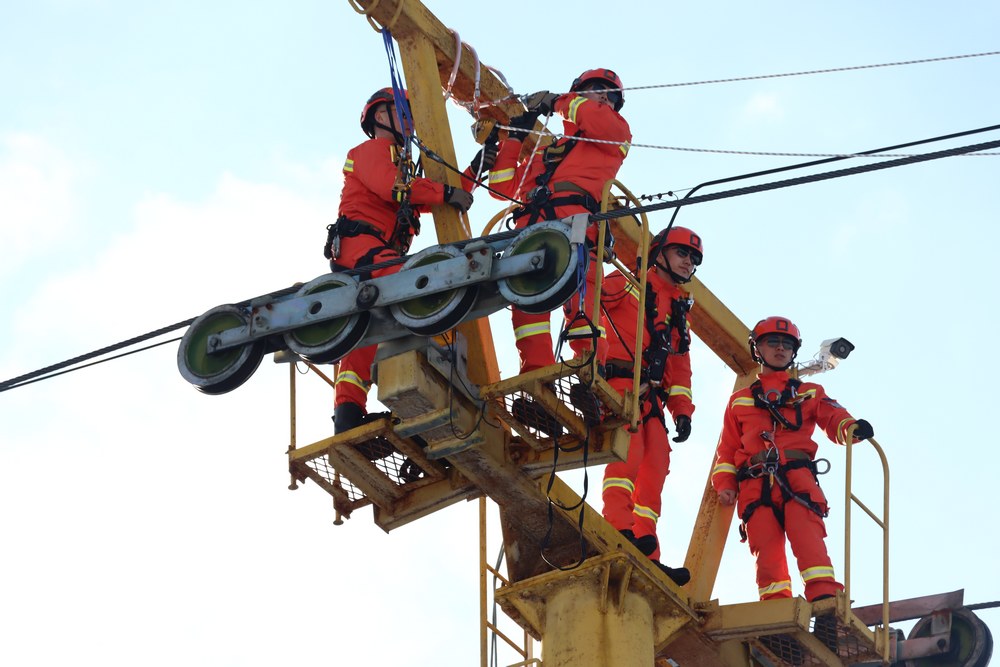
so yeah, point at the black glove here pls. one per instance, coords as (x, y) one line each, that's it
(682, 424)
(541, 102)
(457, 197)
(484, 160)
(523, 123)
(863, 430)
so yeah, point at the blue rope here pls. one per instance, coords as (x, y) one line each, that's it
(403, 114)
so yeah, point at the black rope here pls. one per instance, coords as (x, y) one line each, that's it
(775, 185)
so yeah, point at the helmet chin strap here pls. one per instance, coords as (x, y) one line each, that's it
(397, 135)
(665, 267)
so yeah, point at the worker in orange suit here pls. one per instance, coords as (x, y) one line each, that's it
(379, 215)
(564, 179)
(632, 489)
(767, 464)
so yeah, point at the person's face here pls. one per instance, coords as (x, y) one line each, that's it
(776, 349)
(598, 92)
(386, 115)
(682, 260)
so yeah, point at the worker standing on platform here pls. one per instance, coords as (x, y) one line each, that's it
(379, 215)
(632, 489)
(767, 464)
(564, 179)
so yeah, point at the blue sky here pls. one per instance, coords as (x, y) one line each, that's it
(156, 161)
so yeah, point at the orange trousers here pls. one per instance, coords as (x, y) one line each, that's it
(806, 533)
(633, 488)
(354, 377)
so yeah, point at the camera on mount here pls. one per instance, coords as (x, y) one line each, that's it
(831, 352)
(836, 347)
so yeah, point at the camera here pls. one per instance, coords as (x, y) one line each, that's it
(831, 351)
(838, 348)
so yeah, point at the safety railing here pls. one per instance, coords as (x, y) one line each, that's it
(882, 643)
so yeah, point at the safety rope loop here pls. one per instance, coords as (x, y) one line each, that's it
(403, 114)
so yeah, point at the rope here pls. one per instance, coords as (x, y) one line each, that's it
(722, 151)
(913, 159)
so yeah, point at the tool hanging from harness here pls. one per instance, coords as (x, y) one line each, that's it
(407, 223)
(661, 337)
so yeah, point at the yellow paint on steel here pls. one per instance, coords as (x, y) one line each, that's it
(711, 529)
(882, 632)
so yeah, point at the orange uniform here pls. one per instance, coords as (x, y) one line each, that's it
(632, 489)
(574, 185)
(368, 197)
(779, 496)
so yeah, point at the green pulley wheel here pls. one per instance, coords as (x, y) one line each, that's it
(551, 285)
(218, 372)
(327, 341)
(970, 642)
(437, 312)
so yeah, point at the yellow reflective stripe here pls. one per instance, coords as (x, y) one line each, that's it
(536, 329)
(743, 402)
(619, 483)
(501, 175)
(678, 390)
(842, 430)
(349, 166)
(808, 393)
(574, 106)
(624, 148)
(585, 329)
(646, 512)
(723, 468)
(776, 587)
(818, 572)
(350, 377)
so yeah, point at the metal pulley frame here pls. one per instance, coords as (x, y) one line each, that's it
(435, 290)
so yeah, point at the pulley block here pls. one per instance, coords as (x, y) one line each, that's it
(327, 341)
(437, 312)
(558, 277)
(216, 372)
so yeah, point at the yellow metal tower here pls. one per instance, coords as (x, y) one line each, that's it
(576, 585)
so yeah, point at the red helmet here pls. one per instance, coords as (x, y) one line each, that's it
(383, 96)
(681, 236)
(773, 325)
(605, 76)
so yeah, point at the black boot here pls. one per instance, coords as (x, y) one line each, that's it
(584, 400)
(347, 416)
(646, 544)
(680, 575)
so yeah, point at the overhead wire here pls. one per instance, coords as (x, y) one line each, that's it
(974, 150)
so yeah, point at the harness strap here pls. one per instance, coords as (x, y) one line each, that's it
(758, 470)
(774, 407)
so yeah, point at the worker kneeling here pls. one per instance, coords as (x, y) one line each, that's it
(632, 489)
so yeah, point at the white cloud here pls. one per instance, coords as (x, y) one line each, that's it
(763, 106)
(37, 201)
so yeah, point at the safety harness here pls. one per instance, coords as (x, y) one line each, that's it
(407, 223)
(766, 465)
(660, 347)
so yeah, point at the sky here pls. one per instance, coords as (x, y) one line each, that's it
(157, 160)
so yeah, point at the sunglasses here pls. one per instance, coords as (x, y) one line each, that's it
(777, 340)
(614, 96)
(684, 253)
